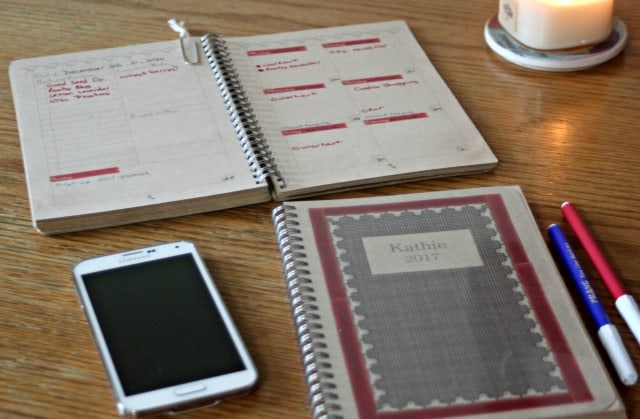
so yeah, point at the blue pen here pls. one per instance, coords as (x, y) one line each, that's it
(607, 332)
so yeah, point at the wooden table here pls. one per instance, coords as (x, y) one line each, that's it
(559, 135)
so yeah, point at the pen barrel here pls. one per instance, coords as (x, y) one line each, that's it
(593, 250)
(578, 276)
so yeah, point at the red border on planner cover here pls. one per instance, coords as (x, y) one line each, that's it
(578, 391)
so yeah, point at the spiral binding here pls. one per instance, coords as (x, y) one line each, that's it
(307, 320)
(242, 117)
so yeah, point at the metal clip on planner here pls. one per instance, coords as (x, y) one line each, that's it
(184, 36)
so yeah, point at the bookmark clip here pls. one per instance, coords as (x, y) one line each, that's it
(184, 36)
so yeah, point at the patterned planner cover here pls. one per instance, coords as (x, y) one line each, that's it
(440, 308)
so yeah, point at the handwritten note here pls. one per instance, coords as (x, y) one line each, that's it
(78, 89)
(366, 83)
(124, 126)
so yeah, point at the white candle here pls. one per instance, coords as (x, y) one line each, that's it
(556, 24)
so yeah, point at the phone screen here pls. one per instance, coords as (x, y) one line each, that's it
(161, 325)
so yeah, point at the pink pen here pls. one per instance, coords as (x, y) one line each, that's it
(625, 303)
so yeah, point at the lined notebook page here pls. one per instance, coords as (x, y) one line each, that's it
(124, 127)
(354, 104)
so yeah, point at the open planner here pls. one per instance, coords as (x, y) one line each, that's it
(134, 133)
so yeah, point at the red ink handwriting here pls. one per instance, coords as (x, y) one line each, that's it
(319, 145)
(289, 97)
(150, 71)
(385, 85)
(285, 65)
(77, 89)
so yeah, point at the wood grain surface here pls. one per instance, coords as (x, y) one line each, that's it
(561, 136)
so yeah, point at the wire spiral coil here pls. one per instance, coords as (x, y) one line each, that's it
(306, 317)
(240, 111)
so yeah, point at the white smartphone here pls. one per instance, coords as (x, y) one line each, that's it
(165, 336)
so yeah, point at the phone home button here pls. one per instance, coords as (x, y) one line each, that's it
(183, 391)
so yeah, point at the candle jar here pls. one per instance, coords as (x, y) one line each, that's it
(556, 24)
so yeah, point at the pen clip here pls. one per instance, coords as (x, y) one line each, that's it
(184, 36)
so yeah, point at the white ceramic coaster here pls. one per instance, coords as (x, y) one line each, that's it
(554, 60)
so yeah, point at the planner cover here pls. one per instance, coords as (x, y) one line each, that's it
(436, 304)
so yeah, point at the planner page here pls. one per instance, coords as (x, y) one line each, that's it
(353, 105)
(122, 128)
